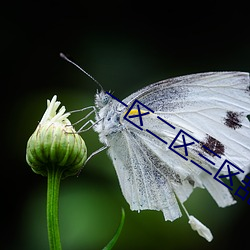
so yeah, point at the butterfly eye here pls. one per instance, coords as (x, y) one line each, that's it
(105, 99)
(102, 99)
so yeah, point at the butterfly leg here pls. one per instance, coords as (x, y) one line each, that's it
(86, 116)
(81, 129)
(96, 152)
(91, 155)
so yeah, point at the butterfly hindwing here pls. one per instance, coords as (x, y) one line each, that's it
(139, 171)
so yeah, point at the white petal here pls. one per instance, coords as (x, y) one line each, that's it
(200, 228)
(51, 114)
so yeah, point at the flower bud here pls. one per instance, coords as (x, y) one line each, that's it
(55, 144)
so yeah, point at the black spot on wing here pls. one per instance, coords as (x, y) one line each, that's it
(233, 119)
(214, 145)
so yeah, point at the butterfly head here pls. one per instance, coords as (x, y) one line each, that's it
(102, 99)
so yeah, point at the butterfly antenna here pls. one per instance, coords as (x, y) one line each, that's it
(86, 73)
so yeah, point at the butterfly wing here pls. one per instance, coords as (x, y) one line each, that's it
(142, 184)
(213, 107)
(210, 107)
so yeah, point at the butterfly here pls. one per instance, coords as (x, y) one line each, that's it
(174, 135)
(210, 107)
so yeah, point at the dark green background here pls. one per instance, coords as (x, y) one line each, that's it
(125, 45)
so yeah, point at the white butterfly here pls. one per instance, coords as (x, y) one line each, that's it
(175, 135)
(210, 107)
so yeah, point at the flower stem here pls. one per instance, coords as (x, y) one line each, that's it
(54, 177)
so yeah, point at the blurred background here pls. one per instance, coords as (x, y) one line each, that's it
(125, 45)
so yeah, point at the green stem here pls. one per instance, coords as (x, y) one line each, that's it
(54, 177)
